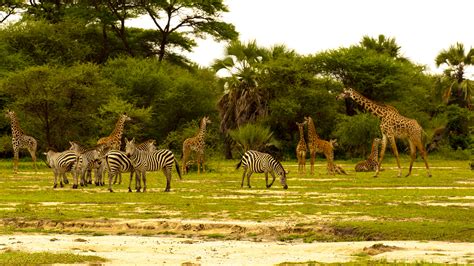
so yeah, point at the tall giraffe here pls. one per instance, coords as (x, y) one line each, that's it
(392, 125)
(317, 145)
(20, 141)
(301, 149)
(196, 144)
(114, 140)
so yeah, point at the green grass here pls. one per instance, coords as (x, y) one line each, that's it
(35, 258)
(323, 207)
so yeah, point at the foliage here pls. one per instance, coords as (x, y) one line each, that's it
(355, 133)
(253, 137)
(53, 103)
(459, 120)
(175, 95)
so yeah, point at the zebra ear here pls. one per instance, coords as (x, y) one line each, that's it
(126, 140)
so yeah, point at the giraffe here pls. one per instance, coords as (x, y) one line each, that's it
(317, 145)
(20, 140)
(114, 140)
(392, 125)
(372, 162)
(301, 149)
(196, 144)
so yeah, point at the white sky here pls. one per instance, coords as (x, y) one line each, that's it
(421, 27)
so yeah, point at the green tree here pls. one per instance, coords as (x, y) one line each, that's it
(253, 137)
(460, 89)
(57, 103)
(381, 45)
(179, 21)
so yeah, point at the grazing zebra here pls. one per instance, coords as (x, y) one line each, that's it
(61, 162)
(259, 162)
(151, 161)
(372, 163)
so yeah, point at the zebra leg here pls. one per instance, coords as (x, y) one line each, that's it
(167, 172)
(266, 179)
(55, 180)
(110, 181)
(130, 183)
(248, 178)
(138, 182)
(243, 178)
(143, 175)
(273, 175)
(33, 157)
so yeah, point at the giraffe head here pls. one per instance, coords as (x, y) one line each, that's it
(308, 120)
(302, 123)
(205, 120)
(333, 143)
(10, 114)
(346, 93)
(124, 117)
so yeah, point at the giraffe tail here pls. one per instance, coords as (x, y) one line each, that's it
(177, 168)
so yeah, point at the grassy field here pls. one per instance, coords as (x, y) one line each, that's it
(314, 208)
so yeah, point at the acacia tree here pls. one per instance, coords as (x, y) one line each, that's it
(460, 89)
(178, 21)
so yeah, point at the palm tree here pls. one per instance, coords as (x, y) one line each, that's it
(243, 101)
(460, 89)
(382, 45)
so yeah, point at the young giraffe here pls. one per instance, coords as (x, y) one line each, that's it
(393, 125)
(371, 164)
(301, 149)
(317, 145)
(20, 141)
(114, 140)
(196, 144)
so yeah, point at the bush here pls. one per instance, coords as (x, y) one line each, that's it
(253, 137)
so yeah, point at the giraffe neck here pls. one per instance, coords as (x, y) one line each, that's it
(202, 130)
(16, 129)
(374, 154)
(301, 134)
(312, 135)
(370, 106)
(118, 130)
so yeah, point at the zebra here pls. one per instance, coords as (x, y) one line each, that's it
(117, 162)
(62, 162)
(151, 161)
(259, 162)
(148, 145)
(87, 162)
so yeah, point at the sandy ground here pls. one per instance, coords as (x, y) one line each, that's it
(190, 251)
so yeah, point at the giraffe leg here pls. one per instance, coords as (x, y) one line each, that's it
(16, 157)
(303, 159)
(202, 162)
(313, 154)
(199, 162)
(382, 154)
(424, 155)
(412, 156)
(185, 158)
(395, 152)
(33, 157)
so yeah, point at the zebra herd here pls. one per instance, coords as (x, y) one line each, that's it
(137, 158)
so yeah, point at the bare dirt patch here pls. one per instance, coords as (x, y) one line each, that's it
(141, 250)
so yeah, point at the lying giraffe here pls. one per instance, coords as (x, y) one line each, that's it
(372, 163)
(392, 125)
(114, 140)
(20, 141)
(301, 149)
(317, 145)
(197, 145)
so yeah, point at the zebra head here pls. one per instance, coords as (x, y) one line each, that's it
(130, 147)
(282, 173)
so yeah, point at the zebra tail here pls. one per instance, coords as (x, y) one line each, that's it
(238, 165)
(47, 164)
(177, 168)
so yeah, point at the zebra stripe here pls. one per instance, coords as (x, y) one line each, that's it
(259, 162)
(151, 161)
(117, 162)
(61, 162)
